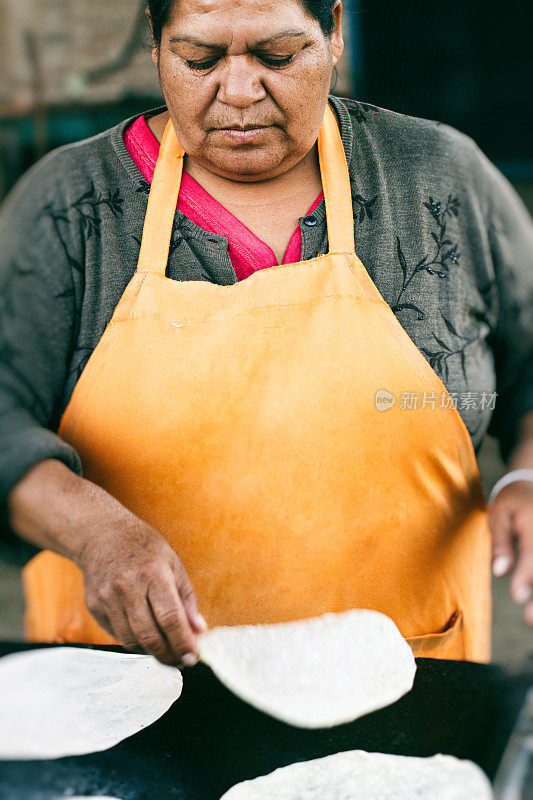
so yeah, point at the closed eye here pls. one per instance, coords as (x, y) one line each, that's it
(200, 65)
(271, 61)
(268, 60)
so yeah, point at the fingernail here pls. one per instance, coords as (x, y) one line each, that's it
(522, 594)
(500, 565)
(200, 621)
(189, 659)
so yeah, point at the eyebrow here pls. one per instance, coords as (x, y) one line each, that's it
(191, 40)
(283, 35)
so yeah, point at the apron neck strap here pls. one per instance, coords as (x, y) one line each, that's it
(336, 186)
(163, 198)
(162, 202)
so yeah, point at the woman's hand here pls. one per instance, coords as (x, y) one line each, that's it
(137, 589)
(135, 585)
(511, 524)
(511, 521)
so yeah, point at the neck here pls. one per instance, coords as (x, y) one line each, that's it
(302, 179)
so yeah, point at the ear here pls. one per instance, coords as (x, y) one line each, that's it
(336, 41)
(155, 48)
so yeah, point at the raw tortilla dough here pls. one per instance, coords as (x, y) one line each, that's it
(68, 701)
(357, 775)
(316, 672)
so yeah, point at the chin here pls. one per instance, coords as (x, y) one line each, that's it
(244, 163)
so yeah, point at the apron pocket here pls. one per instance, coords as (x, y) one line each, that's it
(445, 643)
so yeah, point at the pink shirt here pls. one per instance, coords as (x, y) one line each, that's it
(247, 252)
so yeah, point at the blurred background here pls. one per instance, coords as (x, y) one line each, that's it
(72, 68)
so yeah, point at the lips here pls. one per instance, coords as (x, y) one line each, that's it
(243, 134)
(250, 127)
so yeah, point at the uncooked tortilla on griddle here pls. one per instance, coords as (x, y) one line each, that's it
(316, 672)
(357, 775)
(68, 701)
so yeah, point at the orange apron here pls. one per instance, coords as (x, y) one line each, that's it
(241, 422)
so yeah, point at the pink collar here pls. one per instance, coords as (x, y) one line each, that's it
(247, 252)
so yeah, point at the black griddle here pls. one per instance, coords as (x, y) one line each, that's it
(209, 740)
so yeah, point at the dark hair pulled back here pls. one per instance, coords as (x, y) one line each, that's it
(321, 10)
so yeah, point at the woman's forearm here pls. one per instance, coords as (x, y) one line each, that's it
(54, 508)
(135, 585)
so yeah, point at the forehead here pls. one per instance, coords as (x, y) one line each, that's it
(222, 21)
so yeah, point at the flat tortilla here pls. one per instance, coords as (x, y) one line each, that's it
(317, 672)
(68, 701)
(357, 775)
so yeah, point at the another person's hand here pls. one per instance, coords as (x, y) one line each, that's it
(511, 523)
(137, 589)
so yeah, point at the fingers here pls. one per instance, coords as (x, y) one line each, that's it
(152, 621)
(172, 620)
(121, 629)
(149, 636)
(189, 599)
(503, 556)
(522, 580)
(510, 521)
(112, 616)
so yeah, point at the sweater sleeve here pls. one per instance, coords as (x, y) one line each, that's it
(37, 322)
(510, 228)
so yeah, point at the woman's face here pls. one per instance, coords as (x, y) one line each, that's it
(246, 82)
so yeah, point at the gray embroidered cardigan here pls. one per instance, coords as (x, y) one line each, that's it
(443, 235)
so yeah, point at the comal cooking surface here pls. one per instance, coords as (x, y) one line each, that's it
(209, 740)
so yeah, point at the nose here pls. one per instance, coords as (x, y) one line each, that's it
(240, 82)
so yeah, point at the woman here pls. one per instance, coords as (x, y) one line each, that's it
(264, 444)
